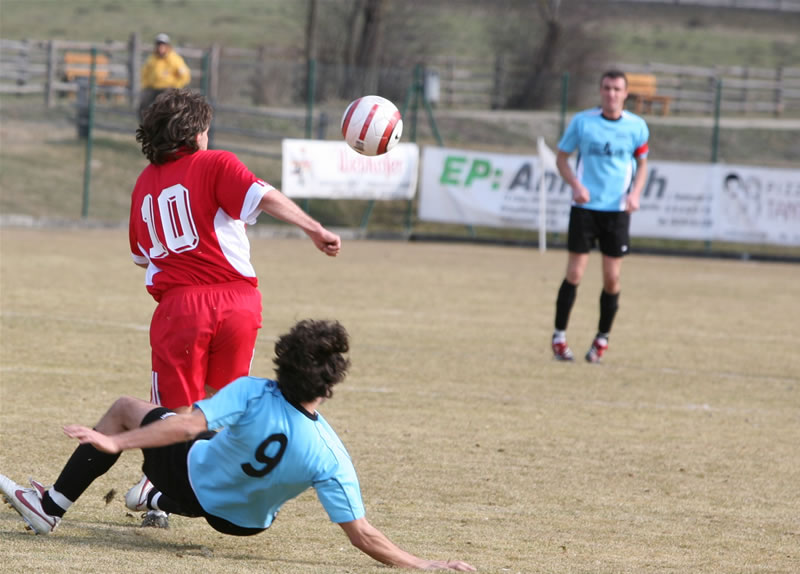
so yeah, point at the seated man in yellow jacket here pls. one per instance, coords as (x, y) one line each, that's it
(163, 69)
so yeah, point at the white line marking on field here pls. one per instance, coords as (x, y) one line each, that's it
(79, 320)
(699, 372)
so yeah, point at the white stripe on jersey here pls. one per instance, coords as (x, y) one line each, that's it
(626, 187)
(150, 273)
(250, 205)
(233, 242)
(231, 232)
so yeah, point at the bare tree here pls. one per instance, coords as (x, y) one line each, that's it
(354, 30)
(360, 53)
(369, 43)
(532, 40)
(537, 57)
(311, 42)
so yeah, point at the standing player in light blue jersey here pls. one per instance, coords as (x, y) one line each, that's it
(610, 172)
(271, 444)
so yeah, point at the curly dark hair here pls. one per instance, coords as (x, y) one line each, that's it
(310, 360)
(172, 122)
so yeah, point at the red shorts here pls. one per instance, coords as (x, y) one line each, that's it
(202, 336)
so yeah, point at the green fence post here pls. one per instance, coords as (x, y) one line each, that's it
(206, 91)
(564, 94)
(87, 169)
(206, 64)
(417, 90)
(432, 121)
(367, 213)
(415, 105)
(311, 66)
(715, 132)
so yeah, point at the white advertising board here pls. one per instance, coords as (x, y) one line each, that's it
(331, 170)
(497, 190)
(675, 202)
(756, 205)
(679, 200)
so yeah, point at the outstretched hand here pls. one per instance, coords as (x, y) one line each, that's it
(327, 242)
(101, 442)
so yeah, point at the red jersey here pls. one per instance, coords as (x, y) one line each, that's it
(187, 221)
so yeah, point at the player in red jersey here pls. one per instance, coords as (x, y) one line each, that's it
(188, 214)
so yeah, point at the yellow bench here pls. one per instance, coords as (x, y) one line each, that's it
(79, 65)
(642, 92)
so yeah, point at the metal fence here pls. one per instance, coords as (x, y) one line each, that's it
(262, 78)
(258, 99)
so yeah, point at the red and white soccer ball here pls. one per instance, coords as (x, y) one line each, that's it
(372, 125)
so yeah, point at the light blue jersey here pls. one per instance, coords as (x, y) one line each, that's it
(268, 452)
(606, 155)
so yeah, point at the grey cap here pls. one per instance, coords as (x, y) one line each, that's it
(162, 39)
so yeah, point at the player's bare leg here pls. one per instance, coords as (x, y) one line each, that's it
(125, 414)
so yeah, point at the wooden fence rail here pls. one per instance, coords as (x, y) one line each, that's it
(248, 78)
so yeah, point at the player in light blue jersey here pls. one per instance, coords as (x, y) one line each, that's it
(237, 457)
(610, 172)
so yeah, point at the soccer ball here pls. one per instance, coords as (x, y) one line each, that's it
(372, 125)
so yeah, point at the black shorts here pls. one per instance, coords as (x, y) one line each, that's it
(167, 468)
(588, 227)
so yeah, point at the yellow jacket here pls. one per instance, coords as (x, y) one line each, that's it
(167, 72)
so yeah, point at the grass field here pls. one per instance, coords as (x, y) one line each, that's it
(680, 454)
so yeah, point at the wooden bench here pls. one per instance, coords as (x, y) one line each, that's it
(642, 92)
(79, 65)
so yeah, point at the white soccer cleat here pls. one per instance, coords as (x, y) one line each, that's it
(28, 503)
(136, 497)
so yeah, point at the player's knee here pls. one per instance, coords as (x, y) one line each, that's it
(126, 412)
(574, 276)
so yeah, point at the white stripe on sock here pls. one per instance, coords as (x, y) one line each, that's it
(62, 501)
(153, 504)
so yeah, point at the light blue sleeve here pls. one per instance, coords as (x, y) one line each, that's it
(340, 495)
(569, 141)
(230, 403)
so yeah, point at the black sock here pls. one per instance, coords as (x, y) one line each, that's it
(170, 506)
(166, 504)
(566, 297)
(51, 507)
(85, 464)
(608, 309)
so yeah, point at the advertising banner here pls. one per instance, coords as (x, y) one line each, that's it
(756, 205)
(496, 190)
(679, 201)
(676, 202)
(331, 170)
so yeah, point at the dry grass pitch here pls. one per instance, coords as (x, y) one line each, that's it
(680, 454)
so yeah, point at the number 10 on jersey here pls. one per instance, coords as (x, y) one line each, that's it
(177, 224)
